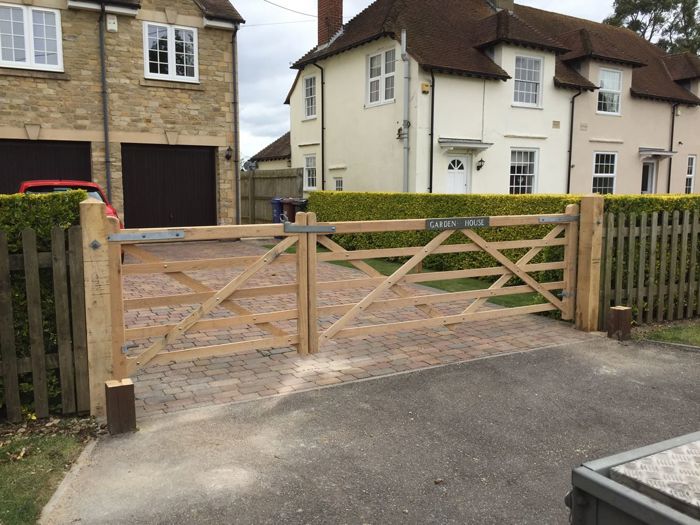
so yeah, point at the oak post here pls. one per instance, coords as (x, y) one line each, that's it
(97, 301)
(311, 280)
(589, 256)
(302, 287)
(569, 292)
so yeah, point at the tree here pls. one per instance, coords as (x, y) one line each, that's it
(674, 25)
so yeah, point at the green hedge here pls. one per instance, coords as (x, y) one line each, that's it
(349, 206)
(41, 213)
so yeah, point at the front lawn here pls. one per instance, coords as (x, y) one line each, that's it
(683, 333)
(33, 460)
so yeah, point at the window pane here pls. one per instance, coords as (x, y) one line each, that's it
(45, 46)
(389, 88)
(375, 66)
(610, 80)
(390, 62)
(310, 171)
(527, 80)
(12, 47)
(184, 52)
(522, 171)
(374, 91)
(603, 185)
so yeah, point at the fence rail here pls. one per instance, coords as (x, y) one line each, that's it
(52, 292)
(650, 263)
(259, 186)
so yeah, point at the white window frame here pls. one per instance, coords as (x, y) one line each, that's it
(612, 175)
(338, 183)
(535, 175)
(691, 172)
(539, 82)
(171, 76)
(307, 187)
(382, 78)
(28, 21)
(309, 116)
(602, 90)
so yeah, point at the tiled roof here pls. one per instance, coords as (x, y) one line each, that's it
(451, 36)
(683, 66)
(217, 9)
(279, 149)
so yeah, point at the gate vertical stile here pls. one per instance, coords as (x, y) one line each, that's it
(117, 307)
(312, 280)
(303, 302)
(570, 262)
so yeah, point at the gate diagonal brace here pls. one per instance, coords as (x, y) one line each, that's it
(205, 308)
(198, 286)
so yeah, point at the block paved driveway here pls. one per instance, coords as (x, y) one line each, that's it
(257, 374)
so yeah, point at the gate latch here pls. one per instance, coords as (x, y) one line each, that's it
(290, 227)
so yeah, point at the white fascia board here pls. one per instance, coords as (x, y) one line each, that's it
(219, 24)
(111, 9)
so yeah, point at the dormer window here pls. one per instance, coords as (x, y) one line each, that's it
(609, 92)
(30, 38)
(528, 81)
(170, 52)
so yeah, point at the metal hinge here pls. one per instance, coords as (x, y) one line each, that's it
(565, 218)
(147, 236)
(290, 227)
(565, 293)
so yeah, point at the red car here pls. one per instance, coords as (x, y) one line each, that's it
(51, 185)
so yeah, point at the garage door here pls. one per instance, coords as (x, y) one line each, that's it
(168, 186)
(22, 160)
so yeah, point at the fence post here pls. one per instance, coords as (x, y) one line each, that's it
(97, 301)
(251, 197)
(570, 257)
(589, 255)
(302, 287)
(312, 266)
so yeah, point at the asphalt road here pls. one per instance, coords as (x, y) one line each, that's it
(488, 441)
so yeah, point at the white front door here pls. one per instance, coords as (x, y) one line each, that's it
(649, 177)
(458, 171)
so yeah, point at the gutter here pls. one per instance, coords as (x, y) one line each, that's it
(432, 129)
(670, 147)
(105, 102)
(406, 109)
(571, 140)
(323, 126)
(236, 134)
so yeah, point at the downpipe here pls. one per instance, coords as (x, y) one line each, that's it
(571, 140)
(105, 102)
(674, 108)
(406, 109)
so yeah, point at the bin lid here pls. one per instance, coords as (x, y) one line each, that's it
(671, 477)
(276, 199)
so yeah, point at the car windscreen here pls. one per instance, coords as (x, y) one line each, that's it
(53, 189)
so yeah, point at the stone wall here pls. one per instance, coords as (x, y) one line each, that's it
(68, 105)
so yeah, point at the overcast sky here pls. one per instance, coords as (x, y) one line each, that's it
(272, 38)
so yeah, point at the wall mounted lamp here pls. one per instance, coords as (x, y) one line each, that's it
(229, 153)
(480, 164)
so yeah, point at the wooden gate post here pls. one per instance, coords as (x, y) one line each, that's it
(97, 301)
(589, 256)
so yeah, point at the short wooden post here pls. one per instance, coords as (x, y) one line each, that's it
(98, 318)
(570, 260)
(589, 255)
(117, 310)
(302, 287)
(620, 323)
(312, 266)
(121, 410)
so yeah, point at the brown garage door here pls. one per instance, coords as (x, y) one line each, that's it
(22, 160)
(168, 186)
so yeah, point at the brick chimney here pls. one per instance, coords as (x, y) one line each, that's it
(505, 4)
(330, 19)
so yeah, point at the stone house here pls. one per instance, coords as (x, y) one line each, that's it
(488, 96)
(139, 96)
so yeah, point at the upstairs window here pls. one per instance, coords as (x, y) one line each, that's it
(609, 92)
(170, 53)
(690, 174)
(604, 171)
(380, 77)
(310, 97)
(523, 169)
(310, 172)
(528, 81)
(30, 38)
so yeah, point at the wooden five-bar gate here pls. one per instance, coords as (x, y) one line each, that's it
(304, 246)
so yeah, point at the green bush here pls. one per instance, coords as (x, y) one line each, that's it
(40, 213)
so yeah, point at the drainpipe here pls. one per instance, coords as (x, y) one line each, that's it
(432, 129)
(105, 102)
(236, 134)
(406, 108)
(674, 107)
(571, 140)
(323, 126)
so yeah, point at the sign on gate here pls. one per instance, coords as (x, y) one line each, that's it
(457, 223)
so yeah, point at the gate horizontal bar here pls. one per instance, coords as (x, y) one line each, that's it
(290, 227)
(147, 236)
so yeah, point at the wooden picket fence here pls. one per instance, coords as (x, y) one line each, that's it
(70, 353)
(650, 263)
